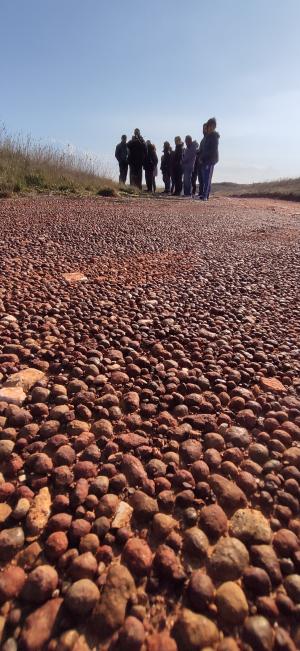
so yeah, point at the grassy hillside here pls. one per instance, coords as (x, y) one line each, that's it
(288, 189)
(26, 165)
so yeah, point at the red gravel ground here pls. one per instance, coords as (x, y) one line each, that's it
(150, 464)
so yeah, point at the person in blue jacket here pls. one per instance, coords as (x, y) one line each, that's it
(210, 156)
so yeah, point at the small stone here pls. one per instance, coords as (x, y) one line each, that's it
(238, 437)
(12, 395)
(167, 564)
(133, 470)
(11, 541)
(250, 526)
(84, 566)
(21, 509)
(82, 596)
(193, 632)
(25, 379)
(200, 591)
(132, 634)
(74, 277)
(39, 627)
(292, 586)
(6, 448)
(232, 603)
(264, 556)
(137, 556)
(257, 581)
(272, 384)
(5, 511)
(213, 521)
(12, 580)
(28, 556)
(103, 427)
(283, 642)
(122, 516)
(56, 544)
(195, 543)
(228, 560)
(119, 587)
(258, 633)
(144, 507)
(39, 512)
(40, 584)
(160, 642)
(229, 495)
(285, 542)
(162, 525)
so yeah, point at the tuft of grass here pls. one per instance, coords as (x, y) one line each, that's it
(288, 189)
(107, 192)
(27, 165)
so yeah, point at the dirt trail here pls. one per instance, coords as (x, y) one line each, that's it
(150, 471)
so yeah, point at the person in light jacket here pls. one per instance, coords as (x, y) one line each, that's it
(121, 155)
(188, 164)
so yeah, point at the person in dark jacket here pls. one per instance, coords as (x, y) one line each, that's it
(210, 156)
(121, 155)
(198, 165)
(177, 166)
(188, 162)
(166, 166)
(137, 154)
(150, 166)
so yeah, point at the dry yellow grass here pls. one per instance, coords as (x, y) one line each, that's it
(288, 189)
(27, 165)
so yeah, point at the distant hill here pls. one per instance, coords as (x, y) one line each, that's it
(288, 189)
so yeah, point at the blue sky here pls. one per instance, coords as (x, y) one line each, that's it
(82, 72)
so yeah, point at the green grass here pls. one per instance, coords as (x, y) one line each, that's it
(29, 166)
(288, 189)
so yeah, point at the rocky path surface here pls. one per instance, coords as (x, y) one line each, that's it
(149, 425)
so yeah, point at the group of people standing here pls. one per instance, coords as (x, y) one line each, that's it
(181, 167)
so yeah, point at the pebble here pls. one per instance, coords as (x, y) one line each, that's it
(137, 556)
(11, 541)
(144, 506)
(200, 591)
(40, 584)
(39, 625)
(250, 526)
(231, 603)
(109, 613)
(39, 512)
(12, 580)
(193, 632)
(228, 560)
(213, 521)
(258, 633)
(82, 597)
(229, 495)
